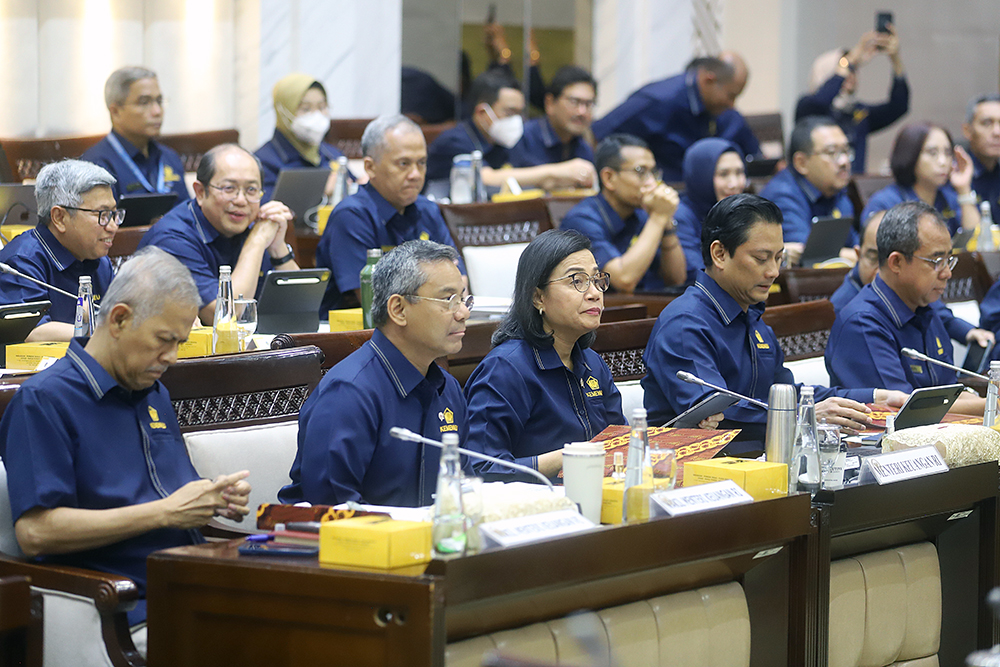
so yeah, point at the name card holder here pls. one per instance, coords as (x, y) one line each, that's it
(526, 529)
(698, 498)
(897, 466)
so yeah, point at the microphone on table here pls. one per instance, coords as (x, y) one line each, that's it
(7, 268)
(913, 354)
(406, 434)
(694, 379)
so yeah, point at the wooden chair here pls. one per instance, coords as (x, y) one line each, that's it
(803, 329)
(622, 344)
(345, 134)
(807, 284)
(93, 605)
(246, 389)
(193, 145)
(769, 132)
(654, 302)
(6, 173)
(558, 208)
(433, 130)
(496, 224)
(334, 346)
(20, 623)
(861, 188)
(970, 280)
(125, 245)
(27, 156)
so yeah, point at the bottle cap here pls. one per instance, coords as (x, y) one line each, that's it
(639, 413)
(807, 390)
(84, 280)
(781, 397)
(374, 252)
(450, 439)
(994, 365)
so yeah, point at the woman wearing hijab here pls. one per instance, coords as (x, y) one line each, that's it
(302, 121)
(713, 170)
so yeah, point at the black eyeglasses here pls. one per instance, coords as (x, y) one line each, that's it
(231, 191)
(453, 302)
(581, 281)
(644, 172)
(104, 218)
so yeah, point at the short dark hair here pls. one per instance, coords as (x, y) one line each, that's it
(970, 110)
(898, 229)
(536, 264)
(801, 141)
(906, 151)
(486, 87)
(723, 71)
(206, 167)
(730, 220)
(609, 151)
(567, 75)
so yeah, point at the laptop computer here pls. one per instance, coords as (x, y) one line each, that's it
(760, 167)
(826, 238)
(289, 301)
(142, 209)
(17, 205)
(300, 189)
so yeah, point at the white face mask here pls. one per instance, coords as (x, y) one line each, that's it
(310, 128)
(506, 132)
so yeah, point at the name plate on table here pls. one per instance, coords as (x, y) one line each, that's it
(905, 464)
(525, 529)
(698, 498)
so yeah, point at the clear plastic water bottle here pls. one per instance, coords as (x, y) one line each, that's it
(478, 187)
(83, 324)
(341, 184)
(984, 242)
(374, 255)
(448, 532)
(638, 443)
(461, 179)
(804, 471)
(225, 331)
(992, 392)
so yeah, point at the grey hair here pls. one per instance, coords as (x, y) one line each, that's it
(898, 229)
(64, 183)
(401, 272)
(146, 283)
(970, 110)
(118, 84)
(373, 139)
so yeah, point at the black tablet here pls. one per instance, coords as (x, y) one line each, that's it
(289, 301)
(704, 408)
(927, 406)
(142, 210)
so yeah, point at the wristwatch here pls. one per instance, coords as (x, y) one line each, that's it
(969, 197)
(846, 64)
(278, 261)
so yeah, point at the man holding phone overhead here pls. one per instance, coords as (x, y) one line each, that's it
(226, 224)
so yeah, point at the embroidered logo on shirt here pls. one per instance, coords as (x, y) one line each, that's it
(632, 242)
(860, 115)
(448, 417)
(595, 387)
(947, 213)
(155, 417)
(424, 236)
(940, 347)
(837, 213)
(169, 175)
(761, 345)
(916, 369)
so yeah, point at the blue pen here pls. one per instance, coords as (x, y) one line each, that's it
(260, 538)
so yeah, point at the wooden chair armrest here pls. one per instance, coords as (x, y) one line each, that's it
(110, 593)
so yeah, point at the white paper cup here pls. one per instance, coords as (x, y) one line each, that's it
(583, 475)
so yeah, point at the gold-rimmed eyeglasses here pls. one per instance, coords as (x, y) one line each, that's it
(581, 281)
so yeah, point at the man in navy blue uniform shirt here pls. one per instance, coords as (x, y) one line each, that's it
(345, 451)
(864, 272)
(814, 185)
(129, 152)
(672, 114)
(77, 221)
(982, 130)
(893, 311)
(630, 224)
(494, 128)
(225, 224)
(558, 136)
(714, 330)
(385, 212)
(97, 471)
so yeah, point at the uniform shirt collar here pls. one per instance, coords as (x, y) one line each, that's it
(811, 191)
(385, 210)
(283, 147)
(404, 375)
(978, 169)
(133, 151)
(97, 378)
(611, 218)
(724, 303)
(549, 137)
(893, 305)
(547, 359)
(693, 94)
(855, 277)
(206, 232)
(478, 140)
(56, 251)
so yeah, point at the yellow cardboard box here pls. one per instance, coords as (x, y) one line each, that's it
(760, 479)
(199, 343)
(611, 501)
(374, 541)
(26, 356)
(348, 319)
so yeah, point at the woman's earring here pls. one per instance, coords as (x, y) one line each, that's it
(541, 313)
